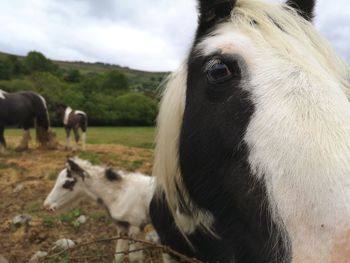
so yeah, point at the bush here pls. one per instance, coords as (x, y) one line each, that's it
(135, 109)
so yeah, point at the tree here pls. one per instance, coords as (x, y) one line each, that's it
(73, 76)
(17, 65)
(114, 82)
(135, 109)
(35, 61)
(6, 69)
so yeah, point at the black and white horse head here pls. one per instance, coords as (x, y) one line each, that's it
(253, 148)
(73, 119)
(26, 109)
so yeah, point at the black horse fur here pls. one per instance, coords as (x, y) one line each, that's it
(26, 109)
(215, 174)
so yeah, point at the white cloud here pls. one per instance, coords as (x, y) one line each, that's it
(150, 35)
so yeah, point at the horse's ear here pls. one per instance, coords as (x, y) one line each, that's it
(211, 11)
(112, 175)
(75, 169)
(304, 7)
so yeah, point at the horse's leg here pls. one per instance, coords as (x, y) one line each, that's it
(122, 247)
(83, 140)
(137, 256)
(23, 145)
(67, 138)
(76, 135)
(2, 140)
(83, 126)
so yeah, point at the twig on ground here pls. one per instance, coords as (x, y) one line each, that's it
(150, 245)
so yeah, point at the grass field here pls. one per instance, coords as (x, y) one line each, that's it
(139, 137)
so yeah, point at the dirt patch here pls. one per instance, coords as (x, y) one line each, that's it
(36, 171)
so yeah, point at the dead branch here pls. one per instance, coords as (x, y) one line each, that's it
(150, 245)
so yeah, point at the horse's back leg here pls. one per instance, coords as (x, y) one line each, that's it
(68, 130)
(83, 126)
(76, 135)
(2, 140)
(24, 143)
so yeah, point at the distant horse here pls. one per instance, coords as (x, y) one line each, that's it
(73, 119)
(253, 149)
(126, 196)
(22, 109)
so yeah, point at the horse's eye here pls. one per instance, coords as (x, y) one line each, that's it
(217, 72)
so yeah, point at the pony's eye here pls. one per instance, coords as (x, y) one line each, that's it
(218, 72)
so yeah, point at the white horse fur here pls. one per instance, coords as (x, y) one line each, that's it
(298, 136)
(126, 196)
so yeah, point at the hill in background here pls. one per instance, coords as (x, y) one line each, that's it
(110, 94)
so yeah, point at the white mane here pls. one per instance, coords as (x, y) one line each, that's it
(66, 115)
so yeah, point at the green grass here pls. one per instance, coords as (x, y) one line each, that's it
(139, 137)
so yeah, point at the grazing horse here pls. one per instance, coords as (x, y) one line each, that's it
(252, 156)
(73, 119)
(126, 197)
(22, 109)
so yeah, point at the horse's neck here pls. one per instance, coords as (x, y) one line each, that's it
(99, 189)
(66, 114)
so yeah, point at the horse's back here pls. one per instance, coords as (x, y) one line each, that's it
(16, 108)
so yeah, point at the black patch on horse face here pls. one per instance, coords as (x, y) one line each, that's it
(112, 175)
(304, 7)
(214, 164)
(69, 173)
(68, 184)
(75, 168)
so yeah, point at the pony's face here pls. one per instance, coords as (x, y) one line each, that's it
(68, 189)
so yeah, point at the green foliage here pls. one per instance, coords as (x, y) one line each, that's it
(114, 82)
(49, 221)
(135, 108)
(35, 61)
(6, 69)
(73, 76)
(70, 218)
(110, 95)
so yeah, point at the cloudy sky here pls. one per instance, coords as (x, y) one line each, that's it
(143, 34)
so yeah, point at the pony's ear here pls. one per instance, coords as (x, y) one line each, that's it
(304, 7)
(75, 169)
(211, 11)
(112, 175)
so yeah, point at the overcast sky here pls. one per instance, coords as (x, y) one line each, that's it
(143, 34)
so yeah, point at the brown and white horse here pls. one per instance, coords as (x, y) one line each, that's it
(253, 149)
(73, 119)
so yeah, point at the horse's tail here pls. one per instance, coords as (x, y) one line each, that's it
(84, 122)
(44, 135)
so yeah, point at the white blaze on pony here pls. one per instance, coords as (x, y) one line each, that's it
(254, 140)
(126, 196)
